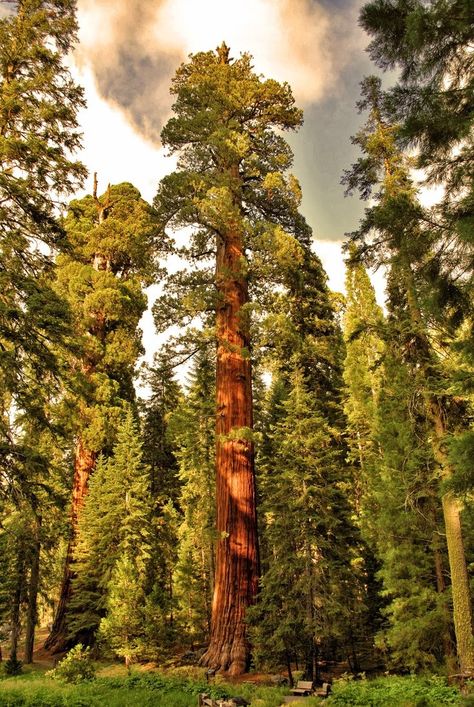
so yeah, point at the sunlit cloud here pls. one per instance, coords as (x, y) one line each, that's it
(134, 46)
(113, 149)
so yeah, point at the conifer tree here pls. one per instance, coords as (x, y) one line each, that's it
(158, 442)
(123, 628)
(303, 449)
(115, 522)
(364, 337)
(38, 124)
(396, 220)
(305, 606)
(431, 44)
(160, 456)
(113, 239)
(231, 188)
(193, 426)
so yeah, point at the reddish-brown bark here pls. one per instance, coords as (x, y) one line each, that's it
(237, 560)
(84, 463)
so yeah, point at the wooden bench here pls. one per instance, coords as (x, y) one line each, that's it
(323, 691)
(303, 687)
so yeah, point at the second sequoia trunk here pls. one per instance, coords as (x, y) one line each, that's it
(84, 463)
(237, 562)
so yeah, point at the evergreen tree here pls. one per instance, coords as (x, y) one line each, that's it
(124, 626)
(305, 350)
(231, 188)
(406, 528)
(364, 337)
(399, 244)
(193, 428)
(38, 124)
(115, 522)
(307, 602)
(158, 442)
(112, 256)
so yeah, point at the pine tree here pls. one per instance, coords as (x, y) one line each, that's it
(160, 456)
(364, 337)
(124, 626)
(431, 103)
(115, 522)
(231, 188)
(193, 428)
(396, 219)
(307, 602)
(112, 256)
(305, 352)
(38, 124)
(158, 444)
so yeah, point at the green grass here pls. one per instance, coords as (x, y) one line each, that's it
(395, 691)
(179, 688)
(34, 689)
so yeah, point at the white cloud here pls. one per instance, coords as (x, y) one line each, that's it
(112, 147)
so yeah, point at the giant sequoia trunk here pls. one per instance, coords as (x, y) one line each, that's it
(84, 463)
(237, 560)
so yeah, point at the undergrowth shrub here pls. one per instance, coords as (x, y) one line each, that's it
(76, 667)
(411, 691)
(13, 666)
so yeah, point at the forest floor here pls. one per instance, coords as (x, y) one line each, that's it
(150, 685)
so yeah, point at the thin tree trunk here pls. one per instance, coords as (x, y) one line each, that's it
(459, 585)
(288, 668)
(15, 625)
(462, 609)
(237, 559)
(441, 588)
(57, 640)
(32, 613)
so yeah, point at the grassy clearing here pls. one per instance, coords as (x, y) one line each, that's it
(180, 687)
(114, 689)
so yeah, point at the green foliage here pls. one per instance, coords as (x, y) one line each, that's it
(115, 520)
(38, 123)
(13, 666)
(306, 596)
(397, 691)
(123, 628)
(192, 426)
(76, 667)
(112, 256)
(231, 170)
(138, 690)
(416, 411)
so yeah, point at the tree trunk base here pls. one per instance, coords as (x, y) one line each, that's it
(226, 659)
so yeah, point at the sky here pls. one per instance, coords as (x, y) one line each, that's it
(129, 50)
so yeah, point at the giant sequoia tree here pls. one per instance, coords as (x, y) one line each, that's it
(230, 188)
(111, 258)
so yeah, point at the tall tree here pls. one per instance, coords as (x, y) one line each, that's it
(304, 450)
(230, 187)
(115, 523)
(364, 336)
(112, 256)
(193, 425)
(397, 220)
(38, 127)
